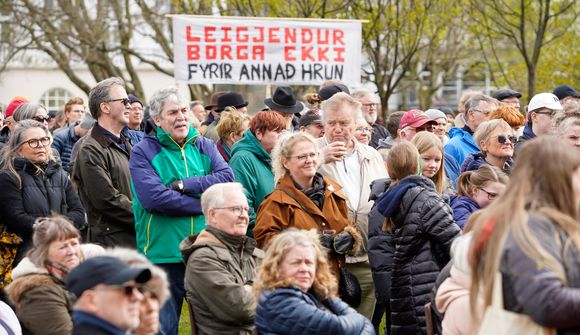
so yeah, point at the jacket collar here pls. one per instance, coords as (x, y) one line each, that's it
(98, 133)
(300, 199)
(168, 142)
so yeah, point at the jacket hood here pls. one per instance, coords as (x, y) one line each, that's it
(455, 287)
(528, 132)
(388, 204)
(23, 284)
(250, 143)
(455, 132)
(378, 187)
(211, 236)
(473, 161)
(26, 267)
(166, 140)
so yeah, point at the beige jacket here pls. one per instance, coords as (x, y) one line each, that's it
(372, 168)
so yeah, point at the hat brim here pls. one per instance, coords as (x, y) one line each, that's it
(210, 107)
(219, 110)
(284, 109)
(139, 275)
(419, 123)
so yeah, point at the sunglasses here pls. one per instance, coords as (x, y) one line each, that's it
(128, 290)
(41, 118)
(124, 101)
(502, 139)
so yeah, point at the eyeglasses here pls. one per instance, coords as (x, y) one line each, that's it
(237, 210)
(41, 118)
(303, 158)
(550, 114)
(124, 101)
(37, 142)
(370, 105)
(490, 195)
(128, 290)
(502, 139)
(486, 113)
(363, 129)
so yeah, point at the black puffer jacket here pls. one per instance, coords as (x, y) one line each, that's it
(423, 229)
(44, 191)
(381, 244)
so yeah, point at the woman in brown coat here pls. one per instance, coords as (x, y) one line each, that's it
(304, 199)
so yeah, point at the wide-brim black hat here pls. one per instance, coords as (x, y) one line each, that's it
(283, 101)
(230, 99)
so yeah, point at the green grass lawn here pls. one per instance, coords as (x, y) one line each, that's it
(184, 326)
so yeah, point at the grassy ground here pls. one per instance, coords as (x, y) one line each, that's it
(184, 326)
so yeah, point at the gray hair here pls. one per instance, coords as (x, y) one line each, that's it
(361, 92)
(214, 196)
(159, 99)
(101, 93)
(487, 127)
(475, 100)
(27, 111)
(16, 139)
(283, 150)
(566, 120)
(337, 101)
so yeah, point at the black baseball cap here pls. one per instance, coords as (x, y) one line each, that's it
(309, 118)
(103, 270)
(564, 91)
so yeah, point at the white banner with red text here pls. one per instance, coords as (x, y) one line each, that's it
(215, 50)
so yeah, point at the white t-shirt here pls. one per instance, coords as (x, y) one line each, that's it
(350, 178)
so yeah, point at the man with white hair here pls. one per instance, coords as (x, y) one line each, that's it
(370, 111)
(170, 168)
(354, 166)
(221, 264)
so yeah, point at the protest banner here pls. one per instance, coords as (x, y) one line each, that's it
(232, 50)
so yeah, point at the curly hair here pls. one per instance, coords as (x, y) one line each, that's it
(231, 122)
(283, 150)
(269, 276)
(509, 114)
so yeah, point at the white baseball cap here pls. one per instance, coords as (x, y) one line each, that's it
(544, 100)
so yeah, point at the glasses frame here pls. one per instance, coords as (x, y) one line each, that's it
(237, 210)
(41, 118)
(303, 158)
(363, 129)
(502, 139)
(128, 290)
(550, 114)
(490, 195)
(124, 101)
(38, 142)
(372, 104)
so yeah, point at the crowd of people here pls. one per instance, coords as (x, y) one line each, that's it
(290, 220)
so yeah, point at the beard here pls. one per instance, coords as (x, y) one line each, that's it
(370, 118)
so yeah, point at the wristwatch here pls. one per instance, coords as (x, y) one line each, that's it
(180, 186)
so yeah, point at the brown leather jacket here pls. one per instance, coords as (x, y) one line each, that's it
(288, 207)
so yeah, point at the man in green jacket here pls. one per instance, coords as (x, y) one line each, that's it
(251, 161)
(221, 264)
(170, 169)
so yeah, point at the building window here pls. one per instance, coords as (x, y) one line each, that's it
(54, 99)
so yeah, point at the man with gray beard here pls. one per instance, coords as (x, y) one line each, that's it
(370, 111)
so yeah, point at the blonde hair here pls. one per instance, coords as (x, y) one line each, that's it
(540, 183)
(269, 276)
(483, 132)
(48, 230)
(231, 122)
(425, 141)
(479, 178)
(283, 150)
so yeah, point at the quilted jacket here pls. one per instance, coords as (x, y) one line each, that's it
(423, 230)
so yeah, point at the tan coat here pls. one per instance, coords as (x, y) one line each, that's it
(280, 211)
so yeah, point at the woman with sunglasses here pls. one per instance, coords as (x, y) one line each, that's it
(42, 304)
(496, 141)
(32, 111)
(33, 183)
(475, 190)
(304, 199)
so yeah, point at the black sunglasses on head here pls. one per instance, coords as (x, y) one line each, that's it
(504, 138)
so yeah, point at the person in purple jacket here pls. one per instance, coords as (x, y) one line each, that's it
(475, 190)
